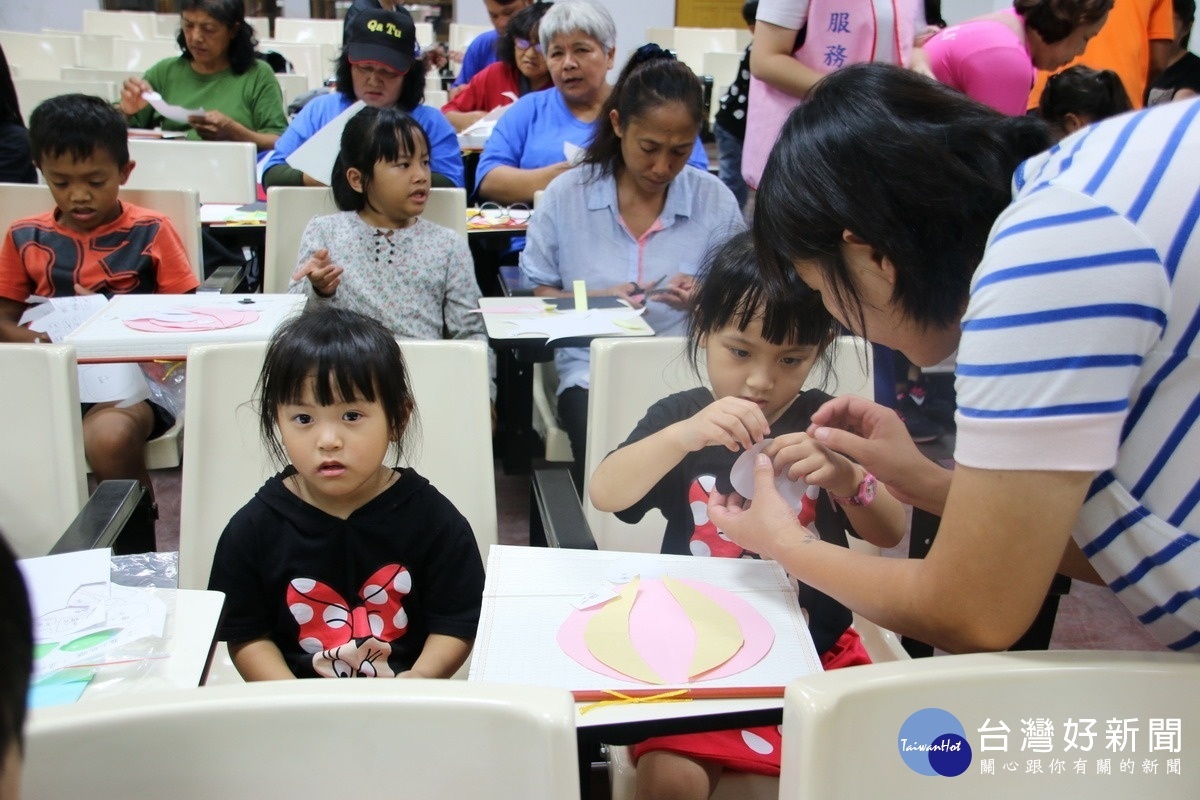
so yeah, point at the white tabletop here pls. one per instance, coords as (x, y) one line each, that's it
(501, 315)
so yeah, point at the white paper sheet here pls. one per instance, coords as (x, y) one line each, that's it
(53, 580)
(168, 111)
(570, 324)
(316, 157)
(65, 314)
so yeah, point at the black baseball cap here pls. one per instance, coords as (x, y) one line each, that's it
(383, 37)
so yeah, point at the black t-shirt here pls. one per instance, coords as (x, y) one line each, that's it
(1183, 74)
(678, 496)
(16, 158)
(353, 597)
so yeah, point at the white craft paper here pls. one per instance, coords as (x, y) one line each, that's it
(316, 157)
(168, 111)
(741, 475)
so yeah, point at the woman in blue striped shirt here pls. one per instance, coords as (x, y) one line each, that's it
(1069, 284)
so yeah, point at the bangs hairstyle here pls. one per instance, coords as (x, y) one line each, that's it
(646, 82)
(520, 26)
(1054, 20)
(231, 14)
(917, 170)
(579, 16)
(373, 135)
(732, 291)
(78, 125)
(348, 357)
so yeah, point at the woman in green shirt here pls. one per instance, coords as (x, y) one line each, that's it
(218, 72)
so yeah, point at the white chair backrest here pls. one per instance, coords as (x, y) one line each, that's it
(436, 98)
(743, 38)
(116, 77)
(181, 206)
(222, 172)
(292, 86)
(870, 706)
(43, 489)
(125, 24)
(425, 34)
(723, 67)
(314, 61)
(309, 31)
(40, 55)
(663, 37)
(289, 208)
(309, 738)
(32, 91)
(225, 462)
(692, 43)
(630, 375)
(139, 55)
(461, 34)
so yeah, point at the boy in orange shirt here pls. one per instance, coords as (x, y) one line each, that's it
(91, 243)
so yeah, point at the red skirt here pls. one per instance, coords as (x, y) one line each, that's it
(752, 749)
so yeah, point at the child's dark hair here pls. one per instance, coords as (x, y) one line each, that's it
(79, 125)
(16, 651)
(750, 12)
(1055, 20)
(231, 14)
(373, 135)
(1186, 11)
(732, 291)
(652, 77)
(1093, 93)
(520, 26)
(347, 355)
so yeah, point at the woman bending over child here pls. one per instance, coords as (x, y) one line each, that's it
(760, 344)
(342, 566)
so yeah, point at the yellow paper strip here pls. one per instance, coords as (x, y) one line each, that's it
(718, 634)
(608, 639)
(580, 288)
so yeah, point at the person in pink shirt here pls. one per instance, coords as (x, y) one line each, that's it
(994, 58)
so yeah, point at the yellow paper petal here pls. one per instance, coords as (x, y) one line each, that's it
(607, 637)
(718, 634)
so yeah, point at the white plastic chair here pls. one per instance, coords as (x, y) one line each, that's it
(289, 208)
(461, 34)
(32, 91)
(125, 24)
(291, 86)
(436, 98)
(181, 206)
(315, 61)
(222, 172)
(663, 37)
(116, 77)
(43, 490)
(40, 55)
(841, 728)
(138, 55)
(309, 31)
(723, 68)
(690, 45)
(313, 738)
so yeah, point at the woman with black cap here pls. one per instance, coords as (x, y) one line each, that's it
(379, 65)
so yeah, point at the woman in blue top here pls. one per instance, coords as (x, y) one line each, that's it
(528, 147)
(633, 215)
(380, 66)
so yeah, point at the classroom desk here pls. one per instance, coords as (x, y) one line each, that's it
(528, 593)
(514, 378)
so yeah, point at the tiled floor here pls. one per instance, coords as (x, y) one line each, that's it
(1090, 617)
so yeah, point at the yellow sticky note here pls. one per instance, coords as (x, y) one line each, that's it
(580, 288)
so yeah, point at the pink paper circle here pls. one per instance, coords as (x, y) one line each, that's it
(675, 630)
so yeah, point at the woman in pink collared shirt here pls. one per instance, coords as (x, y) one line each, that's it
(994, 58)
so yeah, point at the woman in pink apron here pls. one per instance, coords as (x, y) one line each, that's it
(797, 42)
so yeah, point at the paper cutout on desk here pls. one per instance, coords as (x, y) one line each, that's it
(190, 320)
(168, 111)
(670, 637)
(317, 155)
(570, 325)
(59, 688)
(58, 316)
(741, 475)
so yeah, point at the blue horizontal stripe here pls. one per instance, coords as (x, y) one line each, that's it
(1187, 642)
(1071, 409)
(1182, 236)
(1102, 481)
(1170, 147)
(1054, 220)
(1167, 449)
(1186, 507)
(1049, 365)
(1154, 560)
(1173, 604)
(1113, 154)
(1125, 310)
(1178, 357)
(1109, 534)
(1140, 255)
